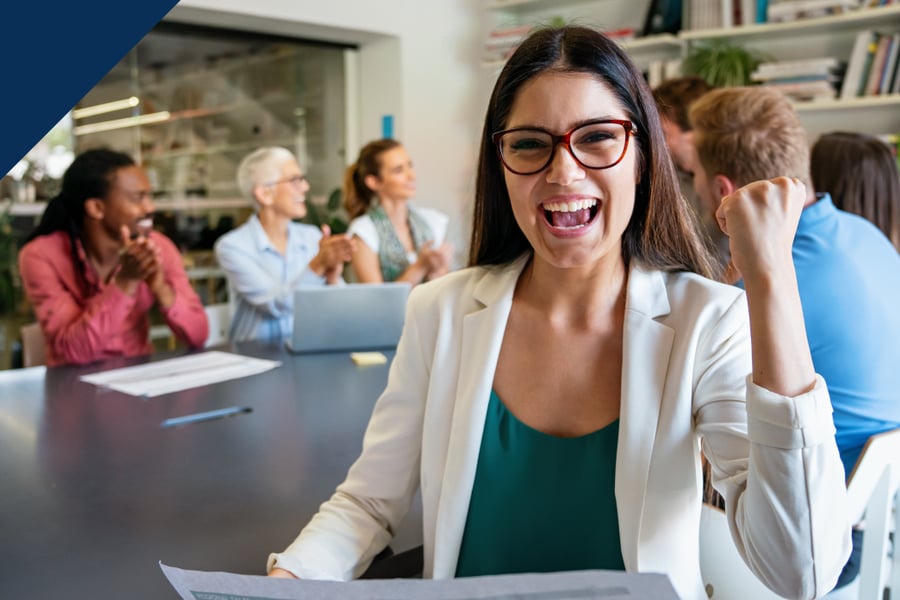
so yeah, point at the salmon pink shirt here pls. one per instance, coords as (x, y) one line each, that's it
(85, 320)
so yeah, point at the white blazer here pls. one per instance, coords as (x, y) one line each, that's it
(685, 375)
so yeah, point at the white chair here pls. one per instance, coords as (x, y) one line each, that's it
(871, 490)
(219, 318)
(725, 574)
(33, 351)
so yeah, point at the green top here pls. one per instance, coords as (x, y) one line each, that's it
(541, 503)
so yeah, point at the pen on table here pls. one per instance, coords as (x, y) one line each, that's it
(221, 413)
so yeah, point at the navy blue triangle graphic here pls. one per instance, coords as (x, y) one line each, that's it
(53, 53)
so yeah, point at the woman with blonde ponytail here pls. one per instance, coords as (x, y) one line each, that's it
(399, 242)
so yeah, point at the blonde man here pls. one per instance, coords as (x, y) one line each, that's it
(847, 271)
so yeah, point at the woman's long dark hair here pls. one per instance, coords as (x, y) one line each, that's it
(663, 232)
(89, 176)
(861, 174)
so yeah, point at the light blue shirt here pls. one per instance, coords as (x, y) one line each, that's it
(263, 280)
(849, 278)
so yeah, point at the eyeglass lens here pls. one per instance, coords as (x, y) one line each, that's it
(295, 180)
(595, 146)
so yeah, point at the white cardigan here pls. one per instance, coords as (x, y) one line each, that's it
(685, 376)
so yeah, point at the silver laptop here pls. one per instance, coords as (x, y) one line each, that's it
(362, 316)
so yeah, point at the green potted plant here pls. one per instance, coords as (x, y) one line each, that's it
(722, 64)
(7, 263)
(330, 213)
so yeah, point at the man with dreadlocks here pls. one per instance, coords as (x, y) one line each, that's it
(94, 267)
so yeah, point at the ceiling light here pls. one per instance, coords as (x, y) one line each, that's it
(121, 123)
(99, 109)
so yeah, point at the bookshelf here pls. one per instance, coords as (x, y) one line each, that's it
(882, 16)
(817, 37)
(805, 38)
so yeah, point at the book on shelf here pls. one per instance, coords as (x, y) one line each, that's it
(621, 34)
(662, 70)
(803, 80)
(857, 69)
(889, 73)
(655, 73)
(873, 82)
(663, 16)
(895, 86)
(871, 49)
(827, 66)
(501, 42)
(792, 10)
(748, 12)
(805, 90)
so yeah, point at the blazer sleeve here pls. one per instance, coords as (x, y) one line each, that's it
(186, 316)
(360, 519)
(775, 461)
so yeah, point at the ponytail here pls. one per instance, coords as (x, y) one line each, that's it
(358, 196)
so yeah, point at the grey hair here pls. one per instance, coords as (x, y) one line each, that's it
(260, 167)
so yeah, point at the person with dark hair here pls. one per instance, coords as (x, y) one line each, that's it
(848, 273)
(399, 242)
(674, 98)
(94, 267)
(269, 257)
(860, 174)
(551, 401)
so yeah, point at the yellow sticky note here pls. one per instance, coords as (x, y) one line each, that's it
(364, 359)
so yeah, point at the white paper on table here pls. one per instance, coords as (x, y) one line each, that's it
(570, 585)
(184, 372)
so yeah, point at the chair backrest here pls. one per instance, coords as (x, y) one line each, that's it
(871, 492)
(219, 318)
(33, 352)
(725, 574)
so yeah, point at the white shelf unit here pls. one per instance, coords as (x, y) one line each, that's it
(608, 15)
(850, 21)
(793, 40)
(814, 38)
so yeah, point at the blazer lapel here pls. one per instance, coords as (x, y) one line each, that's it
(482, 335)
(646, 348)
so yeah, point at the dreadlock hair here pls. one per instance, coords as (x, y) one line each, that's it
(89, 176)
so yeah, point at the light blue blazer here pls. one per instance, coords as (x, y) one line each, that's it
(685, 383)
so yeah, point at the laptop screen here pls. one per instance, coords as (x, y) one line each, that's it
(363, 316)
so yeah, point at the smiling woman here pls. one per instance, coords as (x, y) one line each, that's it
(551, 401)
(398, 242)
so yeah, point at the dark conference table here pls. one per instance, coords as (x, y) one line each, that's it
(95, 492)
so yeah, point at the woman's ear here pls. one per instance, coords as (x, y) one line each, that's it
(372, 182)
(263, 194)
(94, 208)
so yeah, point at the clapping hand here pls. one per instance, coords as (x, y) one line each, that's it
(437, 261)
(334, 252)
(138, 261)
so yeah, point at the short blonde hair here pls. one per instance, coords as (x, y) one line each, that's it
(260, 167)
(749, 133)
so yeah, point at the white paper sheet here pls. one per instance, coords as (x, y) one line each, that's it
(175, 374)
(572, 585)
